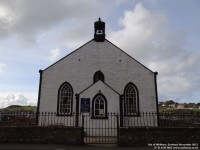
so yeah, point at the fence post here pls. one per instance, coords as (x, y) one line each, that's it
(77, 109)
(117, 128)
(83, 128)
(121, 99)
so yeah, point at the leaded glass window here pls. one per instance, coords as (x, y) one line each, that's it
(130, 99)
(65, 99)
(99, 107)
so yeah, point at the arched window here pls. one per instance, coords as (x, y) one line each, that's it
(65, 98)
(98, 76)
(131, 97)
(99, 106)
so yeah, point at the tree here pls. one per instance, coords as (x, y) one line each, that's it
(170, 102)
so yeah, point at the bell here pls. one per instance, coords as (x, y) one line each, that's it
(99, 32)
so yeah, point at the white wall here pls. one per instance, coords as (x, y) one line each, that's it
(79, 67)
(111, 96)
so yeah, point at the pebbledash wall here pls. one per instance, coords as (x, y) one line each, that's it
(78, 69)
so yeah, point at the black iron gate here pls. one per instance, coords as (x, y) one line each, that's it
(101, 130)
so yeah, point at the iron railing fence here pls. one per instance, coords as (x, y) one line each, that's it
(17, 118)
(142, 119)
(54, 119)
(100, 130)
(151, 119)
(163, 119)
(32, 119)
(171, 119)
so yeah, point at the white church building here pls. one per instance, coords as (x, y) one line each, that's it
(98, 78)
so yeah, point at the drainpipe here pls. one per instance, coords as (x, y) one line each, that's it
(39, 95)
(121, 99)
(77, 109)
(156, 92)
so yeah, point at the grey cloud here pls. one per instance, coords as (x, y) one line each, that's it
(15, 99)
(140, 29)
(77, 35)
(161, 49)
(29, 18)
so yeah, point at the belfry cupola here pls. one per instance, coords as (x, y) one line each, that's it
(99, 31)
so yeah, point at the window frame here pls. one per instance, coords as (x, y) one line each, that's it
(136, 97)
(105, 107)
(59, 99)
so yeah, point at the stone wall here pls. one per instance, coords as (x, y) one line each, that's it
(152, 135)
(74, 135)
(57, 135)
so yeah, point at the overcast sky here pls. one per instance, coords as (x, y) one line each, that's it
(163, 35)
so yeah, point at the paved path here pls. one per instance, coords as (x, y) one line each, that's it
(67, 147)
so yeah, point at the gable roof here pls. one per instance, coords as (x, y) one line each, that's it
(129, 55)
(68, 54)
(97, 83)
(108, 42)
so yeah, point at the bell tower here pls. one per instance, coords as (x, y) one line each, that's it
(99, 31)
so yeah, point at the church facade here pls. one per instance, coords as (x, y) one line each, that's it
(98, 78)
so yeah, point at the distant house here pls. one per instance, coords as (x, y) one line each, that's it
(161, 104)
(180, 106)
(172, 105)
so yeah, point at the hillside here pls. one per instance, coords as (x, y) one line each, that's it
(17, 108)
